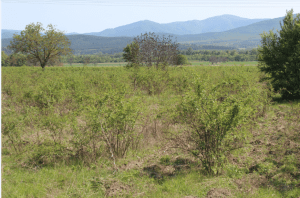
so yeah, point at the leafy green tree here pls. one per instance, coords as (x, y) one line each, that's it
(182, 59)
(70, 59)
(279, 57)
(131, 52)
(16, 60)
(4, 58)
(189, 51)
(253, 52)
(87, 60)
(233, 52)
(41, 45)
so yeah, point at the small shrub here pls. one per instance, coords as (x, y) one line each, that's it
(212, 122)
(266, 168)
(234, 172)
(165, 160)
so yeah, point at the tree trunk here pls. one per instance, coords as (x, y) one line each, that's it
(43, 66)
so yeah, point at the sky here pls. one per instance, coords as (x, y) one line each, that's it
(97, 15)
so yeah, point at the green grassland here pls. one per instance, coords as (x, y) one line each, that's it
(119, 132)
(193, 63)
(94, 65)
(229, 63)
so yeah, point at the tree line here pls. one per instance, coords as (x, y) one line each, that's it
(230, 55)
(18, 59)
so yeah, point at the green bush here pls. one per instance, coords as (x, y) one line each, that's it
(152, 80)
(279, 57)
(212, 115)
(182, 60)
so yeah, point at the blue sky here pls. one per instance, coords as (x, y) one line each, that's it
(96, 15)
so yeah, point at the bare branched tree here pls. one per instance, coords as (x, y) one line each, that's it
(86, 60)
(70, 60)
(94, 61)
(213, 59)
(148, 49)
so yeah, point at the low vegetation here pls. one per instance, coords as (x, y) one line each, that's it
(147, 132)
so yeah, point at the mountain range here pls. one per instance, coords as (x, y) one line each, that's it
(225, 30)
(213, 24)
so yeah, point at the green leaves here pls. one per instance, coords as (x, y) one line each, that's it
(41, 45)
(212, 114)
(182, 60)
(131, 53)
(279, 57)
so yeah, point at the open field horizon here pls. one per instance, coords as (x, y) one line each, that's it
(193, 63)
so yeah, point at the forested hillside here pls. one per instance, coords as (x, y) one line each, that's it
(212, 24)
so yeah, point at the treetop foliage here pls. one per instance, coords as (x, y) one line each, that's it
(41, 45)
(279, 57)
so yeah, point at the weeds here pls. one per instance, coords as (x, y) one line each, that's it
(73, 128)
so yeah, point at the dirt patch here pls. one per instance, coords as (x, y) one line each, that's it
(171, 168)
(218, 193)
(116, 189)
(155, 171)
(251, 182)
(132, 165)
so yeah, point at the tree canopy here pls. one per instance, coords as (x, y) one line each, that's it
(148, 49)
(4, 57)
(40, 45)
(279, 57)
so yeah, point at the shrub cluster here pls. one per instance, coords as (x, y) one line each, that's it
(65, 114)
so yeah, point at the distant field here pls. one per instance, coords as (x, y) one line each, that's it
(233, 63)
(194, 63)
(98, 64)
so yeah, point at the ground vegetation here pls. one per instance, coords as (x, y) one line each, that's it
(183, 131)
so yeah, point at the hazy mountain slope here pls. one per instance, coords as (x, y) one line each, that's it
(91, 44)
(132, 29)
(213, 24)
(249, 32)
(9, 33)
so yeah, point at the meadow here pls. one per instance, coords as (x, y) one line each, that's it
(95, 65)
(111, 131)
(192, 63)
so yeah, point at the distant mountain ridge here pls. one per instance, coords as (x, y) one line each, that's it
(212, 24)
(249, 32)
(9, 33)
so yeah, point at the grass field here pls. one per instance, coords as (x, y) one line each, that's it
(178, 132)
(97, 65)
(194, 63)
(205, 63)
